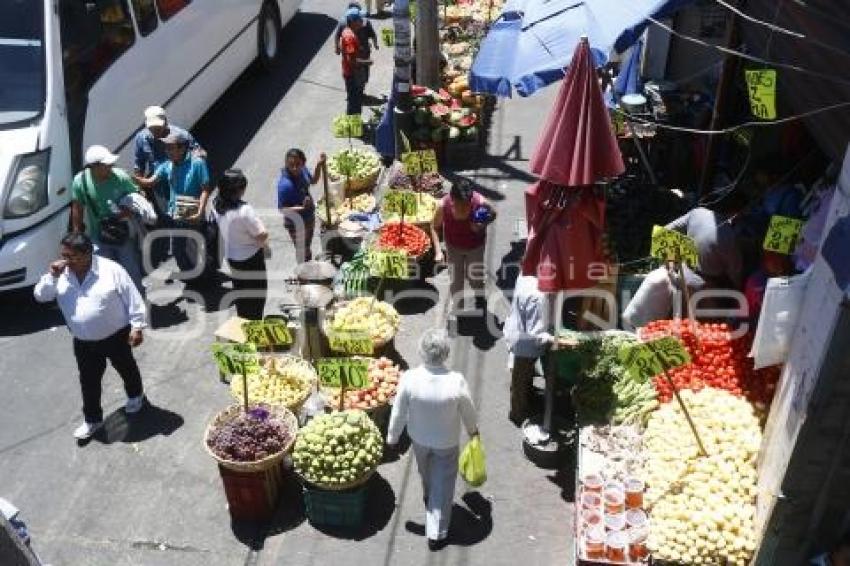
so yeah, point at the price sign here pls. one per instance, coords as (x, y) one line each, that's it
(668, 244)
(391, 264)
(347, 126)
(269, 332)
(644, 361)
(336, 372)
(761, 84)
(400, 201)
(782, 234)
(388, 37)
(355, 343)
(420, 162)
(233, 359)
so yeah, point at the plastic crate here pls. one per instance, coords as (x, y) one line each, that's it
(252, 496)
(335, 508)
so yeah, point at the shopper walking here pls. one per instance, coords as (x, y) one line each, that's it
(366, 38)
(432, 402)
(245, 239)
(463, 217)
(106, 314)
(296, 204)
(353, 66)
(96, 209)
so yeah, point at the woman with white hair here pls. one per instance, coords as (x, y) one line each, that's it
(432, 401)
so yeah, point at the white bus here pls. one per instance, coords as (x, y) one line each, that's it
(79, 72)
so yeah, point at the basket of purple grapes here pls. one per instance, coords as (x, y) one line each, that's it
(253, 440)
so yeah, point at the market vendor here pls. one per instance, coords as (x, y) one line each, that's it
(296, 204)
(657, 297)
(720, 262)
(463, 216)
(527, 335)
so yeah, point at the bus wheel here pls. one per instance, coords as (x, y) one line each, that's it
(268, 37)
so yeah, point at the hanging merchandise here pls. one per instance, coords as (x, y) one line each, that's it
(761, 84)
(783, 300)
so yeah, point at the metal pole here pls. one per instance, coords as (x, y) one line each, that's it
(403, 112)
(427, 44)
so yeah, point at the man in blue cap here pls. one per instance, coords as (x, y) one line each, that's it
(365, 35)
(353, 66)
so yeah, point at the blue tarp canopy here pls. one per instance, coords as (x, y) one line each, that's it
(532, 41)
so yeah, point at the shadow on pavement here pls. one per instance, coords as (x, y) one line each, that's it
(470, 524)
(472, 177)
(485, 330)
(21, 314)
(224, 132)
(509, 269)
(151, 421)
(289, 515)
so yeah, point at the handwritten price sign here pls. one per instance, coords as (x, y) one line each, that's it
(353, 373)
(761, 84)
(351, 342)
(391, 264)
(644, 361)
(671, 245)
(347, 126)
(233, 359)
(400, 202)
(420, 162)
(269, 332)
(388, 37)
(782, 234)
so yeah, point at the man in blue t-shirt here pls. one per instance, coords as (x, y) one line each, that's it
(295, 203)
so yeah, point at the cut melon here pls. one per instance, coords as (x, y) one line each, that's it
(439, 110)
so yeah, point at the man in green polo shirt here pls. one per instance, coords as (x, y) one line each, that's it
(95, 195)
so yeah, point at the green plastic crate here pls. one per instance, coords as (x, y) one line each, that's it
(335, 508)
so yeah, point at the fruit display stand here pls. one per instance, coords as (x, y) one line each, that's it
(363, 317)
(376, 398)
(285, 380)
(357, 168)
(252, 488)
(231, 332)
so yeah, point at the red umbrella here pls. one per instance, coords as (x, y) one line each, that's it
(565, 212)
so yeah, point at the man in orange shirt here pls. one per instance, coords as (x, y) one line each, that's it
(352, 67)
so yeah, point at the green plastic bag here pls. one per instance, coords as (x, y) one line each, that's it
(472, 468)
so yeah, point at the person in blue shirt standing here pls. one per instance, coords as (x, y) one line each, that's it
(183, 174)
(296, 204)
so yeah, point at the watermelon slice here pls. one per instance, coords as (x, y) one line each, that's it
(456, 104)
(417, 90)
(466, 121)
(444, 95)
(439, 110)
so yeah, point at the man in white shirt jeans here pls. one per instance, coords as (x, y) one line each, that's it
(105, 313)
(432, 401)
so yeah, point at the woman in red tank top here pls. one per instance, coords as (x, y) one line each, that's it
(464, 237)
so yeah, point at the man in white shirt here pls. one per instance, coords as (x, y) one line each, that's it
(105, 313)
(432, 402)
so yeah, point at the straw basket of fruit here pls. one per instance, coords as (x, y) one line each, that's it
(361, 203)
(251, 441)
(364, 315)
(282, 380)
(358, 168)
(383, 377)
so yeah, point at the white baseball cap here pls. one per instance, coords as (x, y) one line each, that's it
(99, 154)
(154, 117)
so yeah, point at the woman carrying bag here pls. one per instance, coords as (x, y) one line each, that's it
(245, 239)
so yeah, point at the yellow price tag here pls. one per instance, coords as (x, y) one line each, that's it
(233, 359)
(782, 234)
(388, 37)
(391, 264)
(347, 126)
(428, 158)
(761, 84)
(355, 343)
(269, 332)
(645, 361)
(670, 245)
(412, 163)
(336, 372)
(398, 202)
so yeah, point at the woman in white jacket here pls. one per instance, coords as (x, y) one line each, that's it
(432, 401)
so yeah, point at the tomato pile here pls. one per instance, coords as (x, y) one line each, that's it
(716, 361)
(407, 237)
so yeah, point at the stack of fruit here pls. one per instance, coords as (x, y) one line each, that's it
(406, 237)
(251, 436)
(384, 376)
(341, 211)
(338, 449)
(285, 381)
(441, 116)
(360, 167)
(703, 507)
(717, 360)
(366, 314)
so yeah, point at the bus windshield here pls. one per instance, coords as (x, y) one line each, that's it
(22, 65)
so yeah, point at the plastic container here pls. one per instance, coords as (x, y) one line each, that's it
(636, 518)
(590, 500)
(615, 546)
(637, 543)
(634, 489)
(614, 499)
(591, 518)
(592, 482)
(252, 496)
(335, 508)
(594, 543)
(615, 521)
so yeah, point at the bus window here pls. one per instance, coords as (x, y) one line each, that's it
(145, 16)
(168, 8)
(22, 91)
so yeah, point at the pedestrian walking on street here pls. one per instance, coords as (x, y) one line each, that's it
(296, 204)
(96, 209)
(105, 314)
(366, 38)
(463, 217)
(432, 402)
(354, 68)
(245, 240)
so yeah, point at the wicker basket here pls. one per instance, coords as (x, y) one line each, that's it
(343, 486)
(328, 391)
(286, 359)
(356, 185)
(280, 414)
(376, 342)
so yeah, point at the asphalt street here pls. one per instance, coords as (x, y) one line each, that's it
(146, 493)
